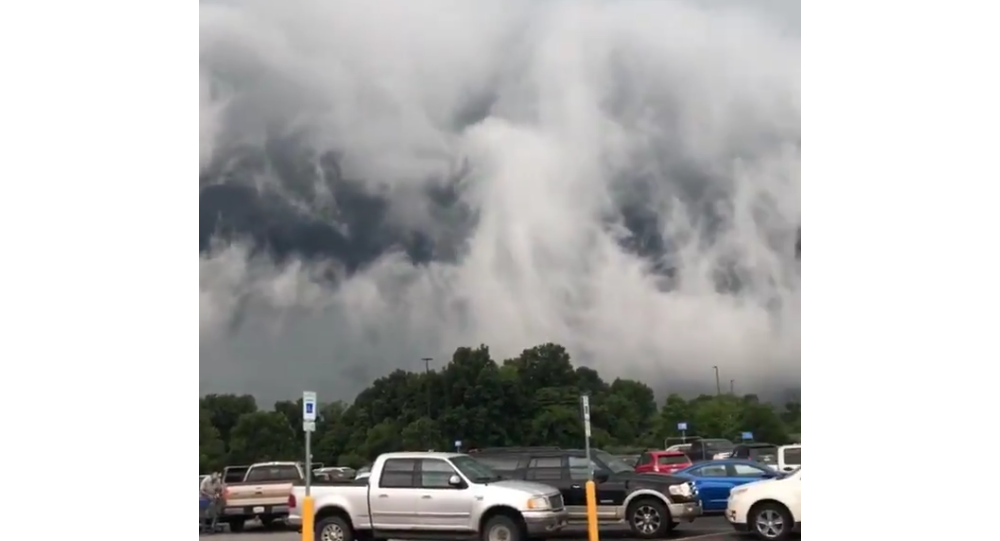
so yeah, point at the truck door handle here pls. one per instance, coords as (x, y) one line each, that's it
(425, 497)
(575, 486)
(383, 495)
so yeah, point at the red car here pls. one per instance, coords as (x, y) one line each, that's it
(662, 462)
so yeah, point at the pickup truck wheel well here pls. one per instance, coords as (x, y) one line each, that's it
(333, 511)
(508, 512)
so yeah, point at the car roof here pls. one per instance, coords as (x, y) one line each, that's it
(667, 453)
(728, 461)
(420, 454)
(756, 445)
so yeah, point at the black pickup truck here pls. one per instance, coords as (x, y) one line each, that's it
(650, 504)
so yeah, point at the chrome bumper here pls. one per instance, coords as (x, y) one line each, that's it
(687, 511)
(541, 522)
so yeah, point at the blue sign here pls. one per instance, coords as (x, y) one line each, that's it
(748, 435)
(309, 407)
(682, 426)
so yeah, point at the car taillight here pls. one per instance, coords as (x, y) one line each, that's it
(291, 501)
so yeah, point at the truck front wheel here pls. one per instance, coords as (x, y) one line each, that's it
(500, 528)
(334, 529)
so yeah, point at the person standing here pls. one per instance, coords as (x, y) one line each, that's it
(211, 488)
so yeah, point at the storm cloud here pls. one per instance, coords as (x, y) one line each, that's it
(388, 180)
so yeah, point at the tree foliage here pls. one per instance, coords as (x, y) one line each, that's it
(529, 400)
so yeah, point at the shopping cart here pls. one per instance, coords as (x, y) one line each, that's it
(208, 514)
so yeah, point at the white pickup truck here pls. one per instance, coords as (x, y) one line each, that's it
(431, 495)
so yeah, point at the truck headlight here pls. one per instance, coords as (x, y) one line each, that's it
(683, 489)
(538, 503)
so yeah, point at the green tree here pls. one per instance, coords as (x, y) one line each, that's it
(225, 410)
(211, 448)
(262, 436)
(533, 398)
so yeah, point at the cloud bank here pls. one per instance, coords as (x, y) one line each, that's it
(387, 180)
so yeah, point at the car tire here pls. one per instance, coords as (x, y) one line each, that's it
(236, 526)
(649, 518)
(499, 528)
(770, 521)
(333, 529)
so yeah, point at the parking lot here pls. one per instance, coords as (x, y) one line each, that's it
(703, 529)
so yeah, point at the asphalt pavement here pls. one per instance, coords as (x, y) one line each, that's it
(703, 529)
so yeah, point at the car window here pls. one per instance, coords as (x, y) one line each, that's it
(611, 462)
(746, 470)
(398, 473)
(259, 474)
(645, 459)
(504, 463)
(544, 468)
(664, 460)
(793, 456)
(578, 468)
(764, 455)
(434, 473)
(712, 470)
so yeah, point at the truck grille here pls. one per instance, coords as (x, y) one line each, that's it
(556, 502)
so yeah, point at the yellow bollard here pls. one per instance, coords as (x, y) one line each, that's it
(591, 511)
(308, 516)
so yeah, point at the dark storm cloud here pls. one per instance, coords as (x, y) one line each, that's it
(384, 181)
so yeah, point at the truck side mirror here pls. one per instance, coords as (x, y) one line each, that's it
(601, 476)
(455, 481)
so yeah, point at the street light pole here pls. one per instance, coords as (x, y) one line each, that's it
(718, 385)
(732, 386)
(427, 371)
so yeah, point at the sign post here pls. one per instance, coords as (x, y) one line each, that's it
(683, 427)
(308, 426)
(458, 446)
(591, 491)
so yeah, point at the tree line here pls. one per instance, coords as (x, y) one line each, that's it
(533, 399)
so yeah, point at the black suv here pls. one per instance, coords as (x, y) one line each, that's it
(709, 449)
(765, 453)
(651, 504)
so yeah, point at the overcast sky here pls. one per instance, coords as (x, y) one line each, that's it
(388, 180)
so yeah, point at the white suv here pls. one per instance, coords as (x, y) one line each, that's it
(771, 509)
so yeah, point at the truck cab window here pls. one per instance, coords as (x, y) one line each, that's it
(434, 473)
(263, 474)
(398, 473)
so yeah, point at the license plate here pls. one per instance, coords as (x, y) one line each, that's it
(258, 509)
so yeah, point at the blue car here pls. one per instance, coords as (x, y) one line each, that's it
(716, 478)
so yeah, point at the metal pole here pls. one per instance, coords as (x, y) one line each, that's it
(308, 463)
(427, 372)
(718, 386)
(732, 386)
(591, 490)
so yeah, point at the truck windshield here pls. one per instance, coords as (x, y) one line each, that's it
(476, 471)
